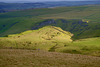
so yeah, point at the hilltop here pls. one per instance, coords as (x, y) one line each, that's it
(44, 38)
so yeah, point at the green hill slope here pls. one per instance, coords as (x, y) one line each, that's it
(51, 38)
(20, 21)
(80, 28)
(44, 38)
(89, 46)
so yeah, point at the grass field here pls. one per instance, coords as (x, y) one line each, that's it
(38, 58)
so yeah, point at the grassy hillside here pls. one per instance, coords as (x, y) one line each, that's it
(19, 21)
(80, 28)
(89, 46)
(44, 38)
(51, 38)
(35, 58)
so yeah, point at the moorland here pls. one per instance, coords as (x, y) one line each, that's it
(68, 36)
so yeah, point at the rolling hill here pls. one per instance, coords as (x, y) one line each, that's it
(79, 20)
(33, 5)
(44, 38)
(51, 38)
(33, 37)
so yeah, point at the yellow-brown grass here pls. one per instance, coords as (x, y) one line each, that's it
(38, 58)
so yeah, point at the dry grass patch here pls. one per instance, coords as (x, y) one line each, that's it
(38, 58)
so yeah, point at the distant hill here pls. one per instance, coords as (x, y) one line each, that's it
(18, 6)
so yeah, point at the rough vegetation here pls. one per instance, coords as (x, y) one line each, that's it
(38, 58)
